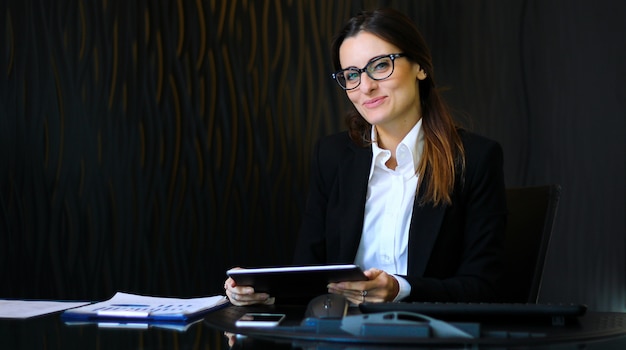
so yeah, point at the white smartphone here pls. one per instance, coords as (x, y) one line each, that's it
(259, 320)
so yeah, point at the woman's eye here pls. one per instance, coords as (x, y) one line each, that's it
(378, 66)
(351, 76)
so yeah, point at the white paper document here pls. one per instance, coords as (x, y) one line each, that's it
(31, 308)
(132, 306)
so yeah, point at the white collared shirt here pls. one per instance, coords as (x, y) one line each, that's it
(389, 208)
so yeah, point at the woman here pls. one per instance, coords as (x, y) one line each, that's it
(404, 193)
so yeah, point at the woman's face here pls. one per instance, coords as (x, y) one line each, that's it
(392, 103)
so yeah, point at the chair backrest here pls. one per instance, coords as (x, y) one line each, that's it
(529, 226)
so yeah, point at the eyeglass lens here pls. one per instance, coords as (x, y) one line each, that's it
(377, 69)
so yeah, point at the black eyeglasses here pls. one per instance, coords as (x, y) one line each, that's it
(378, 68)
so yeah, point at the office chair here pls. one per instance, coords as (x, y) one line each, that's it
(529, 226)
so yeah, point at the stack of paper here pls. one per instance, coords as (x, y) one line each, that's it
(124, 306)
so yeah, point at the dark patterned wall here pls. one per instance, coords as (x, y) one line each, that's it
(152, 144)
(148, 146)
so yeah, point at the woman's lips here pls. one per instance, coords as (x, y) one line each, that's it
(375, 102)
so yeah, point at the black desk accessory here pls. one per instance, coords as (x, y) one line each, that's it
(327, 306)
(406, 325)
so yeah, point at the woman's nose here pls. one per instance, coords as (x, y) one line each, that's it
(367, 83)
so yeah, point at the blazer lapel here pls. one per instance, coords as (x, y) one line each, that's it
(354, 178)
(425, 225)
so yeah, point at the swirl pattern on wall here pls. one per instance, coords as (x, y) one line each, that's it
(157, 143)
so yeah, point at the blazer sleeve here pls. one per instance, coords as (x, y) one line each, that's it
(311, 243)
(464, 264)
(332, 221)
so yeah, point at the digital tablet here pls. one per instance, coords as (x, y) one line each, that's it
(296, 281)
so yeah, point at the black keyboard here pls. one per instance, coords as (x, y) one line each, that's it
(479, 310)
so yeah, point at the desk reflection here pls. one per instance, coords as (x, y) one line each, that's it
(50, 332)
(599, 330)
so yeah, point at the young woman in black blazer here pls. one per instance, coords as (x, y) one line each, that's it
(404, 193)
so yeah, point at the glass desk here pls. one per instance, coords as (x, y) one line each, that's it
(217, 331)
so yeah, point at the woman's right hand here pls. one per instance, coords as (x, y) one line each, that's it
(245, 295)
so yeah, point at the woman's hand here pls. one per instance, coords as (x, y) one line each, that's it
(245, 295)
(380, 287)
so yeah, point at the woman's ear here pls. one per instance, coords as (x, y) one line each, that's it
(421, 75)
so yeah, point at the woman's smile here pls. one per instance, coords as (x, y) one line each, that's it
(374, 102)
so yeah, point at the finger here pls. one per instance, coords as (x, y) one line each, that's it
(229, 283)
(371, 296)
(241, 299)
(255, 297)
(351, 286)
(372, 273)
(347, 293)
(232, 297)
(350, 294)
(239, 289)
(367, 295)
(335, 290)
(243, 290)
(236, 298)
(355, 300)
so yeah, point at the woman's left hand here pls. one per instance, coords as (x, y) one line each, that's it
(380, 287)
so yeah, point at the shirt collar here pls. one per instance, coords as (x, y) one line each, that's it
(413, 142)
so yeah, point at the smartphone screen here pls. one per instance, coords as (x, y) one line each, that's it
(259, 320)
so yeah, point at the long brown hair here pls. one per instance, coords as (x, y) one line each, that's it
(443, 160)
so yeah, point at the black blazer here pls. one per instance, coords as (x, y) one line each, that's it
(453, 249)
